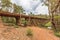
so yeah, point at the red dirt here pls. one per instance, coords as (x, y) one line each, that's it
(11, 33)
(7, 33)
(43, 34)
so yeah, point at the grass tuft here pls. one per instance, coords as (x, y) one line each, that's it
(29, 32)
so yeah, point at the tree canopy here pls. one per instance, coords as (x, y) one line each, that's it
(6, 4)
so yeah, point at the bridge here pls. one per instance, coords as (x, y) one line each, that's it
(31, 20)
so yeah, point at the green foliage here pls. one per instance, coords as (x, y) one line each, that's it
(25, 23)
(18, 9)
(10, 21)
(57, 34)
(57, 20)
(42, 16)
(53, 3)
(16, 26)
(48, 24)
(56, 17)
(29, 32)
(31, 14)
(5, 5)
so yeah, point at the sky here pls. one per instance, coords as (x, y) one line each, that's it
(34, 6)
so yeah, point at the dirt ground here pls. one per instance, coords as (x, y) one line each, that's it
(11, 33)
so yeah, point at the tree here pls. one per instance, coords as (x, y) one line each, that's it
(31, 14)
(6, 4)
(18, 9)
(54, 5)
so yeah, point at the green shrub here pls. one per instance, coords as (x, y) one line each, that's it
(29, 32)
(25, 23)
(48, 24)
(57, 34)
(10, 24)
(8, 20)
